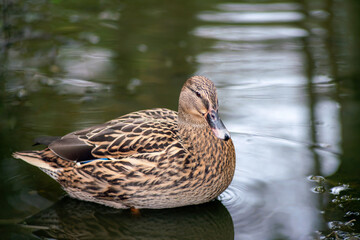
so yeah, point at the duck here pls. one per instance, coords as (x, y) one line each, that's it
(155, 158)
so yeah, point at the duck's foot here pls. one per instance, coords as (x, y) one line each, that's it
(135, 212)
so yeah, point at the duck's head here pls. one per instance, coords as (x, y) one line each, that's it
(198, 105)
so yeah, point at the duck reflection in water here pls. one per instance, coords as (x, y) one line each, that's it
(73, 219)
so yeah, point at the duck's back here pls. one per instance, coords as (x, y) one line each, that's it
(138, 132)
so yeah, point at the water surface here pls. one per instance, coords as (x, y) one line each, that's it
(288, 81)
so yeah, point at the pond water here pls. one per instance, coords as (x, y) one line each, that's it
(288, 79)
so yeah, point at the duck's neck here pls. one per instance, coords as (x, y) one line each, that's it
(197, 137)
(210, 155)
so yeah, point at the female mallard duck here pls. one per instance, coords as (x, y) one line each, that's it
(154, 158)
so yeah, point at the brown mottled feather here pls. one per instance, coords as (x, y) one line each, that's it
(157, 158)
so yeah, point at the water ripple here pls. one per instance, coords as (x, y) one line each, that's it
(234, 194)
(79, 86)
(251, 17)
(247, 33)
(259, 6)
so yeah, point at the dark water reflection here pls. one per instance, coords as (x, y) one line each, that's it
(72, 219)
(287, 75)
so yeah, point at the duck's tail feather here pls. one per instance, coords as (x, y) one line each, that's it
(45, 160)
(34, 158)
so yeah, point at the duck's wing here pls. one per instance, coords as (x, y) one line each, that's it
(139, 132)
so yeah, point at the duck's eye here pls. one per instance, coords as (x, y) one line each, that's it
(197, 94)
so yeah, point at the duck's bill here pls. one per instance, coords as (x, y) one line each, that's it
(217, 126)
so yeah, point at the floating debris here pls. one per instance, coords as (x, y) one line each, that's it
(336, 190)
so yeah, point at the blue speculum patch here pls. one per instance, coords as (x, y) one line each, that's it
(83, 162)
